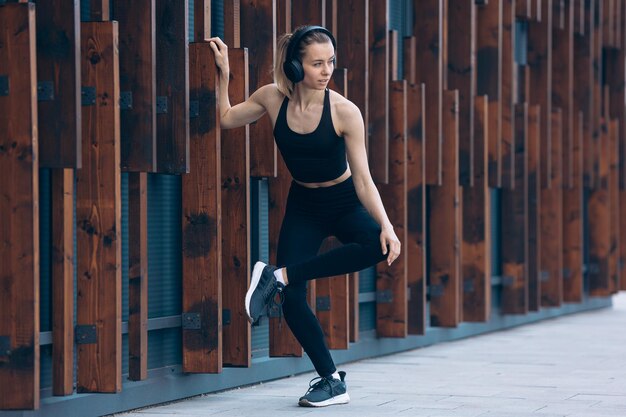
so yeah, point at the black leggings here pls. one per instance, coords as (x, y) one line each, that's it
(313, 214)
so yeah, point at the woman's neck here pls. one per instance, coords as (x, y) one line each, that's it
(305, 97)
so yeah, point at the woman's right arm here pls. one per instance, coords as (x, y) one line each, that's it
(243, 113)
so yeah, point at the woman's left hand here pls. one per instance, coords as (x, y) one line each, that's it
(388, 239)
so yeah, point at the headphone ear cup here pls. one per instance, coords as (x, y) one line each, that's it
(293, 70)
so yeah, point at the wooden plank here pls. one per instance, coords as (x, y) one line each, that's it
(353, 306)
(137, 276)
(534, 208)
(615, 79)
(379, 76)
(235, 149)
(62, 276)
(58, 68)
(136, 21)
(19, 223)
(579, 16)
(391, 282)
(98, 214)
(308, 12)
(232, 23)
(573, 222)
(508, 145)
(597, 67)
(462, 76)
(523, 9)
(332, 304)
(100, 10)
(514, 225)
(445, 203)
(415, 246)
(202, 221)
(428, 24)
(540, 65)
(536, 10)
(583, 88)
(551, 274)
(172, 86)
(201, 20)
(563, 87)
(489, 79)
(607, 22)
(613, 186)
(476, 225)
(261, 46)
(353, 52)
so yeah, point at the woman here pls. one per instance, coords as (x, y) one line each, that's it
(316, 130)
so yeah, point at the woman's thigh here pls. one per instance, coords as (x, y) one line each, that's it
(300, 238)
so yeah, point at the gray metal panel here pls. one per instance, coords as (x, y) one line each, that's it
(85, 10)
(191, 22)
(367, 280)
(367, 316)
(217, 21)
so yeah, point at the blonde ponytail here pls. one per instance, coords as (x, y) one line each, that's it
(285, 85)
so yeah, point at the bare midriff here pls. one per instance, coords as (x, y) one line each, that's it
(342, 178)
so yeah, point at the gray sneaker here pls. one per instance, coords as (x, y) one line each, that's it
(263, 289)
(326, 391)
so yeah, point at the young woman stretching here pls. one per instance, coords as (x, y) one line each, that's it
(315, 129)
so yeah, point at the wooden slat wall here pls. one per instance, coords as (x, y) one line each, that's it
(261, 46)
(19, 223)
(98, 214)
(489, 79)
(172, 86)
(428, 24)
(508, 128)
(476, 261)
(391, 282)
(136, 21)
(202, 221)
(523, 9)
(614, 202)
(445, 235)
(597, 88)
(534, 204)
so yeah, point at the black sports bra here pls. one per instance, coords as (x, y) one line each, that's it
(318, 156)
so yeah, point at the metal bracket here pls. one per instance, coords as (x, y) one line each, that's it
(384, 296)
(45, 91)
(190, 321)
(435, 290)
(5, 345)
(544, 276)
(88, 96)
(85, 334)
(468, 285)
(225, 317)
(194, 108)
(322, 303)
(161, 104)
(126, 100)
(508, 280)
(4, 85)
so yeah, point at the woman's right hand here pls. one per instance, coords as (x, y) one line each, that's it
(221, 54)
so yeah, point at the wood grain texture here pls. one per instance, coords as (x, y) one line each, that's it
(235, 186)
(534, 208)
(476, 262)
(202, 220)
(261, 46)
(232, 23)
(514, 225)
(201, 20)
(62, 192)
(391, 316)
(509, 132)
(597, 66)
(137, 276)
(172, 86)
(308, 12)
(19, 223)
(137, 26)
(445, 228)
(100, 10)
(98, 214)
(58, 48)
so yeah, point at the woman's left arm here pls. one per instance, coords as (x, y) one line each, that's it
(354, 134)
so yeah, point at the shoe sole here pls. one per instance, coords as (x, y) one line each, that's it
(339, 399)
(254, 281)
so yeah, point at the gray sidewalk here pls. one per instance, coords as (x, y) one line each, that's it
(571, 366)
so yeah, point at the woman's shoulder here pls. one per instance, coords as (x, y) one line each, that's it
(342, 106)
(269, 93)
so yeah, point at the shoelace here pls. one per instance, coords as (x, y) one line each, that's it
(319, 384)
(270, 294)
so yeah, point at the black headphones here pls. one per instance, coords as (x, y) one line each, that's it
(292, 65)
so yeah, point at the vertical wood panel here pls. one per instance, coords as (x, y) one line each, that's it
(597, 87)
(202, 221)
(172, 86)
(58, 47)
(138, 82)
(534, 207)
(235, 182)
(508, 145)
(19, 223)
(62, 275)
(462, 76)
(98, 214)
(379, 63)
(445, 202)
(138, 276)
(100, 10)
(489, 79)
(614, 203)
(514, 225)
(522, 9)
(201, 20)
(476, 225)
(261, 46)
(428, 18)
(308, 12)
(391, 313)
(232, 23)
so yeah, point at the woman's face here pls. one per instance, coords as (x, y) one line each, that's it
(318, 64)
